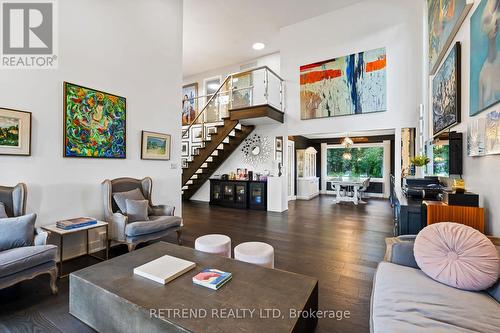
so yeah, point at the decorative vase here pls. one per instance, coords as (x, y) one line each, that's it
(419, 171)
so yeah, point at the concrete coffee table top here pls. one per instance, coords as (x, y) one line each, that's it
(110, 298)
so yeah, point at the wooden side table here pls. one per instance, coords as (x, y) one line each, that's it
(440, 212)
(53, 229)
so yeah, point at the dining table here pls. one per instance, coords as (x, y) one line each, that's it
(343, 182)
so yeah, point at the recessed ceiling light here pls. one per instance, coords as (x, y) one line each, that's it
(258, 46)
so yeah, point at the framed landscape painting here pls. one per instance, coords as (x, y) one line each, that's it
(444, 19)
(15, 132)
(94, 123)
(446, 93)
(354, 84)
(485, 57)
(155, 146)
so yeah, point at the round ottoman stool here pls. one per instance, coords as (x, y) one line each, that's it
(257, 253)
(215, 244)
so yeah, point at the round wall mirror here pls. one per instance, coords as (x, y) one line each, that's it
(255, 150)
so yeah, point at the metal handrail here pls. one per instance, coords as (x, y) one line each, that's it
(218, 92)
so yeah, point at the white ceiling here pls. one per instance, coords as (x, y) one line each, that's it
(219, 33)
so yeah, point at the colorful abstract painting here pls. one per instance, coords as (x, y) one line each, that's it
(354, 84)
(485, 57)
(446, 93)
(444, 19)
(95, 123)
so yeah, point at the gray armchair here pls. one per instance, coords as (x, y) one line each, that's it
(26, 262)
(160, 222)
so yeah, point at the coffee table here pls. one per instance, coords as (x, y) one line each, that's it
(110, 298)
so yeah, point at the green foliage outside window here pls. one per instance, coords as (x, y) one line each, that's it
(365, 162)
(441, 160)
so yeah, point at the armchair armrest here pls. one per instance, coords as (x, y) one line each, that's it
(40, 237)
(117, 226)
(162, 210)
(400, 250)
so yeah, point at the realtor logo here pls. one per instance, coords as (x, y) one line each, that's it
(28, 34)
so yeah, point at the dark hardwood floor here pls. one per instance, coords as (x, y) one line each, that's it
(340, 245)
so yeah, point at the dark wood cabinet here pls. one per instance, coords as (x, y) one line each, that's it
(238, 194)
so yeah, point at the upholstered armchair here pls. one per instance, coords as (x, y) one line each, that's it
(22, 257)
(128, 227)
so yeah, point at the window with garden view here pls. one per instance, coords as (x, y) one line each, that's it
(441, 160)
(364, 162)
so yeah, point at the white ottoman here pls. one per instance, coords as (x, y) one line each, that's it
(215, 244)
(257, 253)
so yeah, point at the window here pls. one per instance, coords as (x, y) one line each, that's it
(365, 162)
(441, 160)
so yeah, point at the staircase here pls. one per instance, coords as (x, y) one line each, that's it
(237, 100)
(212, 154)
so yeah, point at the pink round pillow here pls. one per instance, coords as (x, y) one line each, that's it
(457, 255)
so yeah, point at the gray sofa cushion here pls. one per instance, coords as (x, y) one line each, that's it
(137, 210)
(17, 231)
(3, 213)
(404, 299)
(121, 197)
(402, 254)
(495, 291)
(155, 224)
(19, 259)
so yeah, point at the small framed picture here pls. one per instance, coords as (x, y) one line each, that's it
(279, 143)
(155, 146)
(209, 131)
(196, 133)
(279, 156)
(185, 148)
(15, 132)
(184, 163)
(194, 149)
(185, 132)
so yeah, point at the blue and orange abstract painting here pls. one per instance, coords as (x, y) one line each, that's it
(354, 84)
(94, 123)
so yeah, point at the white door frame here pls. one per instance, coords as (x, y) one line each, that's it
(291, 170)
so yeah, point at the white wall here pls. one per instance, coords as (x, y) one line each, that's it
(480, 173)
(394, 24)
(129, 48)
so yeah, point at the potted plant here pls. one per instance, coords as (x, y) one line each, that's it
(419, 161)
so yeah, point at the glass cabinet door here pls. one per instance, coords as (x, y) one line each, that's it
(241, 195)
(229, 192)
(216, 192)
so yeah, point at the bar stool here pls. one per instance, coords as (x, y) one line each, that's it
(215, 244)
(257, 253)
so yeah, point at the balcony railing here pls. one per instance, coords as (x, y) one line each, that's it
(255, 87)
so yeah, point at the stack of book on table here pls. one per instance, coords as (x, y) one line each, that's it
(212, 278)
(164, 269)
(75, 223)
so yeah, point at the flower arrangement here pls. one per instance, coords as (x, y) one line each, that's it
(420, 160)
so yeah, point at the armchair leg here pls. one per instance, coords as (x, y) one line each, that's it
(179, 234)
(131, 247)
(53, 280)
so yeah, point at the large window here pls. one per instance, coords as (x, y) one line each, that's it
(364, 162)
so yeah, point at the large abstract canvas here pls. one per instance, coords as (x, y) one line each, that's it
(444, 19)
(446, 93)
(354, 84)
(485, 57)
(94, 123)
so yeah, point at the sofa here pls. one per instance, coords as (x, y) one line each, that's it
(404, 299)
(159, 222)
(19, 263)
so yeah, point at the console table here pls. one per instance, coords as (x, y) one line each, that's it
(243, 194)
(438, 211)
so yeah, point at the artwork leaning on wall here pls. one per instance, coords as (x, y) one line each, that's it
(353, 84)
